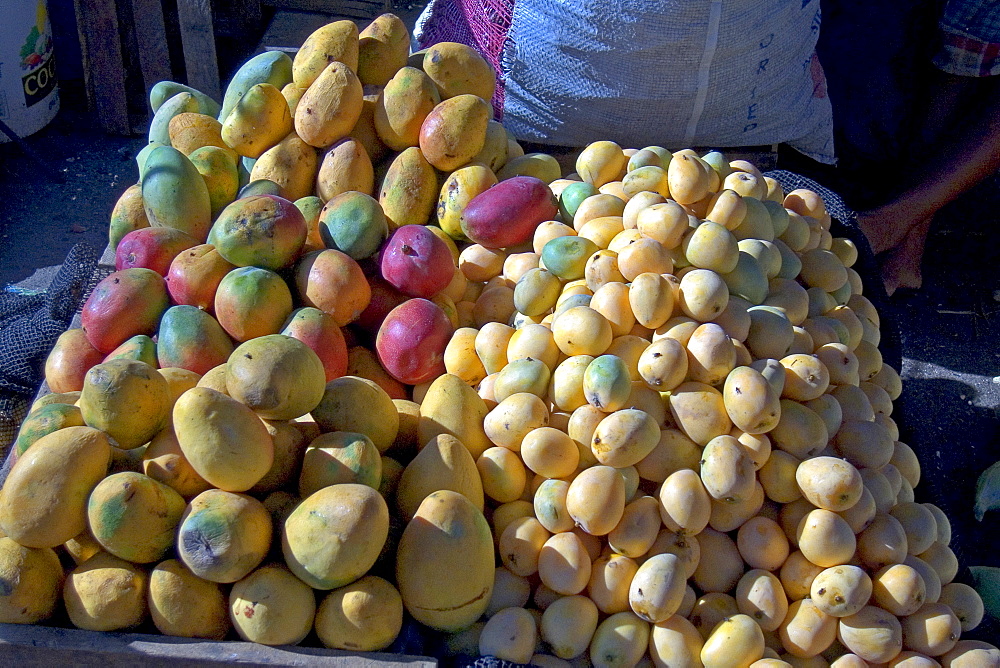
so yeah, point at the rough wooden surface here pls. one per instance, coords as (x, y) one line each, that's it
(198, 41)
(100, 46)
(43, 645)
(151, 34)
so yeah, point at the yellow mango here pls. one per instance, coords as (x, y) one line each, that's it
(443, 463)
(259, 120)
(330, 107)
(272, 607)
(335, 535)
(402, 107)
(458, 69)
(292, 164)
(106, 593)
(34, 577)
(345, 166)
(383, 48)
(225, 441)
(448, 534)
(454, 132)
(364, 616)
(409, 190)
(182, 604)
(337, 40)
(452, 407)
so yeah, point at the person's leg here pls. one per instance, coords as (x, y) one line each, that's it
(901, 265)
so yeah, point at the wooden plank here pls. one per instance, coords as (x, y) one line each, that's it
(103, 68)
(24, 645)
(151, 35)
(198, 42)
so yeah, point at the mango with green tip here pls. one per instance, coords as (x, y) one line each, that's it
(140, 347)
(252, 302)
(159, 127)
(174, 194)
(272, 67)
(409, 190)
(259, 121)
(190, 338)
(747, 279)
(134, 517)
(223, 536)
(219, 169)
(43, 421)
(164, 90)
(572, 196)
(334, 536)
(143, 155)
(607, 384)
(354, 223)
(263, 231)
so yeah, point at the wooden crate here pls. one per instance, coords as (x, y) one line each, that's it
(129, 45)
(23, 645)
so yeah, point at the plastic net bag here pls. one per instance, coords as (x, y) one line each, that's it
(30, 323)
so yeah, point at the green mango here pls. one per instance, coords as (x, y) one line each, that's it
(353, 223)
(164, 90)
(221, 175)
(607, 384)
(747, 279)
(566, 257)
(260, 187)
(45, 420)
(192, 339)
(159, 127)
(571, 197)
(139, 347)
(143, 155)
(174, 194)
(273, 67)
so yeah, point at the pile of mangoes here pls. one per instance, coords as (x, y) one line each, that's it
(361, 358)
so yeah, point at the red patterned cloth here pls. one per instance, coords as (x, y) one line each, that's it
(482, 24)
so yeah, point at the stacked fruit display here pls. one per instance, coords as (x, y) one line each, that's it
(636, 414)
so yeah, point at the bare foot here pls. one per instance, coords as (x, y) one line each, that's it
(883, 228)
(901, 266)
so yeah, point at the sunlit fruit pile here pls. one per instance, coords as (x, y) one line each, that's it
(362, 360)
